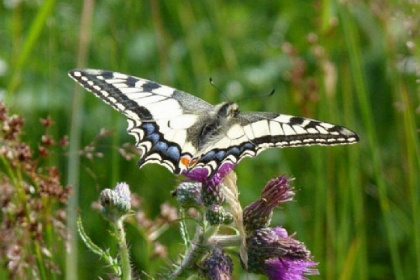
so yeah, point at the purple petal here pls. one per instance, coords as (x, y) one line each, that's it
(202, 174)
(283, 269)
(280, 232)
(221, 173)
(198, 174)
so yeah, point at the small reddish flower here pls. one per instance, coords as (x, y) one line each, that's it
(47, 122)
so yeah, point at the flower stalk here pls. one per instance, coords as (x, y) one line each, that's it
(123, 249)
(193, 254)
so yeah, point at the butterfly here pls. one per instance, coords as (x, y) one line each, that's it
(184, 133)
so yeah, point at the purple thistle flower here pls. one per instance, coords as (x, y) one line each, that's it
(258, 214)
(217, 266)
(283, 269)
(199, 174)
(211, 193)
(273, 252)
(202, 174)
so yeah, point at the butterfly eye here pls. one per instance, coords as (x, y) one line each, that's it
(235, 109)
(232, 110)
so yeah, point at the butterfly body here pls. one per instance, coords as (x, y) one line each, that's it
(184, 133)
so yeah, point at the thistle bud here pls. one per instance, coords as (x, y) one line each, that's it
(212, 195)
(116, 203)
(216, 215)
(188, 194)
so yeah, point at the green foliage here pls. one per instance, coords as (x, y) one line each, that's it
(353, 63)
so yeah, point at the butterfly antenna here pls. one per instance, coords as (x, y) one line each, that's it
(259, 96)
(218, 89)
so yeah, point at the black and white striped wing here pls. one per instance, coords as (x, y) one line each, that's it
(253, 132)
(158, 116)
(184, 133)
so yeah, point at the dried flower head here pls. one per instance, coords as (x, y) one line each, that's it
(12, 127)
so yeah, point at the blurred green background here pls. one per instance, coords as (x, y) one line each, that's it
(353, 63)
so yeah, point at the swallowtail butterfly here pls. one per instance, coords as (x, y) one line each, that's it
(184, 133)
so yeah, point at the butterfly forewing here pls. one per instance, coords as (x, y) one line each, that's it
(156, 117)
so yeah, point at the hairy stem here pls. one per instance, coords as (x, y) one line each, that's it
(122, 245)
(194, 253)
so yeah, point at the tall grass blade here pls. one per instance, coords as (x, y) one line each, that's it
(33, 34)
(357, 70)
(74, 144)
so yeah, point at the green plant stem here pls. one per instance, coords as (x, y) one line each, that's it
(191, 256)
(226, 240)
(122, 245)
(184, 230)
(112, 262)
(40, 261)
(413, 159)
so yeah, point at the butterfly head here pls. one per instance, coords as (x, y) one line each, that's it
(227, 110)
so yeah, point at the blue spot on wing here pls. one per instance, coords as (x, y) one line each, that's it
(208, 157)
(160, 147)
(173, 153)
(220, 155)
(154, 138)
(148, 128)
(233, 151)
(246, 146)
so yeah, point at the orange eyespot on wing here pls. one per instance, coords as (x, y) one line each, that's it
(188, 162)
(185, 161)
